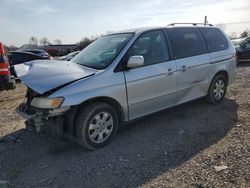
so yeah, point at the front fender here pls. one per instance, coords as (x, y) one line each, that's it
(100, 85)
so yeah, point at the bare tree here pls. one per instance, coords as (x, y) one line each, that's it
(222, 26)
(57, 41)
(84, 43)
(94, 37)
(33, 41)
(244, 34)
(44, 41)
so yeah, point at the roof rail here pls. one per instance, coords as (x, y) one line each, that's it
(194, 24)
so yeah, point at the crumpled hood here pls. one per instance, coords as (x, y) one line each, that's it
(45, 75)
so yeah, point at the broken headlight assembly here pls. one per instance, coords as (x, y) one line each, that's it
(47, 103)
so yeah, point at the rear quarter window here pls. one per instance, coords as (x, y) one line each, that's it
(187, 42)
(216, 40)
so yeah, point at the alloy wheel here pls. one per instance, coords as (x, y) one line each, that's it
(100, 128)
(219, 89)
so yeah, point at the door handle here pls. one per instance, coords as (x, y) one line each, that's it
(170, 71)
(183, 68)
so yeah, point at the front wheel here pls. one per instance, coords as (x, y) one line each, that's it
(217, 89)
(96, 125)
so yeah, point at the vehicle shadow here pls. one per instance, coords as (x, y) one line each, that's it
(142, 151)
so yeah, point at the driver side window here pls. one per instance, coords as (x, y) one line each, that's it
(152, 46)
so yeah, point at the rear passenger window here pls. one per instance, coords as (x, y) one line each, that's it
(216, 41)
(187, 42)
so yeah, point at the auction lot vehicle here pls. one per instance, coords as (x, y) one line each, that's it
(124, 76)
(19, 57)
(69, 56)
(242, 49)
(38, 52)
(7, 81)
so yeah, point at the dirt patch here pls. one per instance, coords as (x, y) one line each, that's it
(179, 147)
(9, 100)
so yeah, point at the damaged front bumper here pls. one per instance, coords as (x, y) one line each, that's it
(51, 121)
(22, 113)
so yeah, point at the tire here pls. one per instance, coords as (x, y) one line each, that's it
(12, 83)
(217, 89)
(237, 59)
(96, 121)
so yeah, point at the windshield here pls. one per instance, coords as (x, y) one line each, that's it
(101, 53)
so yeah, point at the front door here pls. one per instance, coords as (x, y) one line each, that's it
(152, 87)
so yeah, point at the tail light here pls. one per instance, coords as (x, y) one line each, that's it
(50, 57)
(4, 69)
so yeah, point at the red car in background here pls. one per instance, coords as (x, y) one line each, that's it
(7, 81)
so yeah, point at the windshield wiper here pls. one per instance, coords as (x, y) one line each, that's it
(92, 67)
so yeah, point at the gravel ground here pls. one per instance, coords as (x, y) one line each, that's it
(178, 147)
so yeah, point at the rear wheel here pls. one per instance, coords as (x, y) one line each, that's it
(96, 125)
(217, 89)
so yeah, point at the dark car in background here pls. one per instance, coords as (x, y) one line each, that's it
(242, 47)
(22, 56)
(38, 52)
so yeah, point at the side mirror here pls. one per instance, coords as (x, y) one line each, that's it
(135, 61)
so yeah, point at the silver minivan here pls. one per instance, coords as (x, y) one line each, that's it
(124, 76)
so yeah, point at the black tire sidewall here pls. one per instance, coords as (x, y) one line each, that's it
(83, 122)
(210, 96)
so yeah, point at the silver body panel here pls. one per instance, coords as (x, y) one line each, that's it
(193, 81)
(45, 75)
(139, 91)
(151, 88)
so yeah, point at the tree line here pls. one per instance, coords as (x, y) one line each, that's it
(244, 34)
(86, 41)
(43, 42)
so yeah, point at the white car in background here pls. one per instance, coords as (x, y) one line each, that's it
(69, 56)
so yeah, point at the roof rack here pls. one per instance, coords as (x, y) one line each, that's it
(194, 24)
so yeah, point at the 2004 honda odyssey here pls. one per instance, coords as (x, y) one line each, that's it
(124, 76)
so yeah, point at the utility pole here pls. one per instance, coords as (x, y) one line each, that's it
(205, 21)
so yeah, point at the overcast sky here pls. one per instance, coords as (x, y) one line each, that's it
(71, 21)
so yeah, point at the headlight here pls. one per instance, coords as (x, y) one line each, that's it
(47, 103)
